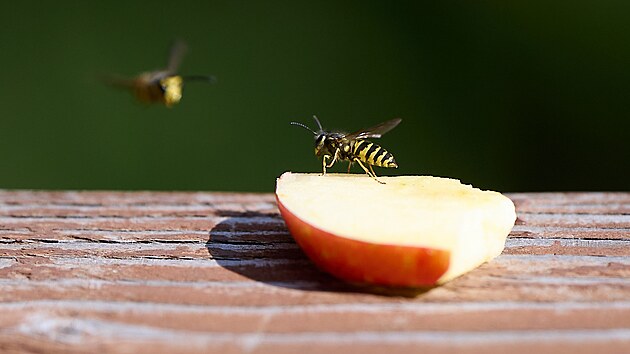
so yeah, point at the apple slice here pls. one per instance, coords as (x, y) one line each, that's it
(411, 231)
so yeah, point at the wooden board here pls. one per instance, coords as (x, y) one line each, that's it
(218, 272)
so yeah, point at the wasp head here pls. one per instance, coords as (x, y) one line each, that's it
(321, 144)
(172, 87)
(323, 140)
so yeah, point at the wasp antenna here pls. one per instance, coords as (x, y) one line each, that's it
(211, 79)
(303, 126)
(318, 123)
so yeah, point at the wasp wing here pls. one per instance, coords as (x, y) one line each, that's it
(376, 131)
(178, 49)
(116, 81)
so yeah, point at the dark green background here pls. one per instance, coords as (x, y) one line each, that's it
(511, 96)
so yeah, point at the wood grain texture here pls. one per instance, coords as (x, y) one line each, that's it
(158, 272)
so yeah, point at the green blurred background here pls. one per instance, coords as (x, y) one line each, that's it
(511, 96)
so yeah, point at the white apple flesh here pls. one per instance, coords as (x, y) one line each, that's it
(410, 231)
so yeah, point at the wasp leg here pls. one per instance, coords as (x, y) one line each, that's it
(334, 159)
(349, 165)
(326, 157)
(372, 169)
(368, 172)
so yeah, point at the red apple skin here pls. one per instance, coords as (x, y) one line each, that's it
(367, 263)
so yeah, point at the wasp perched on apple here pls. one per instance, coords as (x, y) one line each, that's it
(353, 147)
(410, 231)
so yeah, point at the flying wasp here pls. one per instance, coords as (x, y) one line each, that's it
(160, 86)
(353, 147)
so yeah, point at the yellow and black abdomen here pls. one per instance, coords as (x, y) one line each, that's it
(372, 154)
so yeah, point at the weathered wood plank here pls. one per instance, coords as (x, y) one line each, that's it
(61, 336)
(192, 272)
(508, 278)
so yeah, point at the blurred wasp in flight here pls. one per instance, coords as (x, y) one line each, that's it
(353, 147)
(160, 86)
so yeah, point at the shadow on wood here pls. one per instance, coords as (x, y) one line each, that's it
(258, 246)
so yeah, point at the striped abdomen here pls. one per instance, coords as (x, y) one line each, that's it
(372, 154)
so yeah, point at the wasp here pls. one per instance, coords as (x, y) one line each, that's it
(353, 147)
(163, 86)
